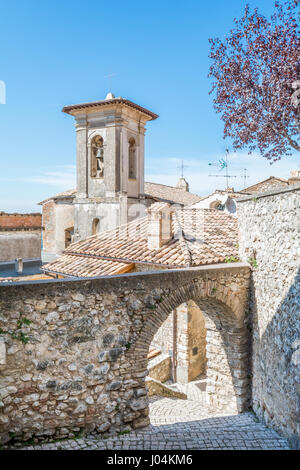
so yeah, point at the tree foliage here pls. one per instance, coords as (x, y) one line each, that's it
(256, 81)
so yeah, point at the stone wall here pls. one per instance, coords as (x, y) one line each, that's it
(20, 244)
(17, 221)
(163, 338)
(20, 236)
(160, 368)
(75, 355)
(57, 217)
(197, 341)
(269, 240)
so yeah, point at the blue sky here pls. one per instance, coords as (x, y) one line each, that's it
(55, 53)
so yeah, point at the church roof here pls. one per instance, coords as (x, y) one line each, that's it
(201, 236)
(170, 194)
(106, 102)
(160, 192)
(70, 193)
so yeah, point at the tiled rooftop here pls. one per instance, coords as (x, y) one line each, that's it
(170, 194)
(201, 236)
(79, 266)
(270, 183)
(155, 191)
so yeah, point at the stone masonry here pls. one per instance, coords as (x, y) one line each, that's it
(20, 236)
(272, 246)
(75, 355)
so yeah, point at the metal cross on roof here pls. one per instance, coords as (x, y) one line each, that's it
(182, 166)
(109, 77)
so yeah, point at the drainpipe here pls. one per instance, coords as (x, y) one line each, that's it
(174, 358)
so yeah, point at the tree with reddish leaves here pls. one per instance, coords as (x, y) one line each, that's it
(256, 81)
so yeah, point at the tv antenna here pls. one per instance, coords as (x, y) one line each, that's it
(223, 163)
(245, 176)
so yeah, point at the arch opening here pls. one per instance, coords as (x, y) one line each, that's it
(69, 232)
(215, 344)
(97, 157)
(131, 159)
(95, 226)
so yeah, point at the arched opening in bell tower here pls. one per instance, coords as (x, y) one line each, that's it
(132, 159)
(97, 157)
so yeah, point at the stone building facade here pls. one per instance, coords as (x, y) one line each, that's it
(58, 223)
(110, 162)
(272, 246)
(20, 236)
(110, 188)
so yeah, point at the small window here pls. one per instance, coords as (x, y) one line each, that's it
(217, 205)
(132, 159)
(68, 236)
(95, 226)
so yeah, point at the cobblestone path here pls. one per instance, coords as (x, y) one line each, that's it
(182, 424)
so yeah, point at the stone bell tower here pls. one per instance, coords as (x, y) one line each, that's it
(110, 162)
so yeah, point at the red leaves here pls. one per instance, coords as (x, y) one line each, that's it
(254, 69)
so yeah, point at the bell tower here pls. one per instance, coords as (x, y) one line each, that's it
(110, 162)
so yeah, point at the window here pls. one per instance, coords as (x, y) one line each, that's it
(217, 205)
(97, 157)
(95, 226)
(132, 159)
(68, 236)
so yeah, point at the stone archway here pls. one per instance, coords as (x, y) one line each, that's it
(226, 341)
(102, 329)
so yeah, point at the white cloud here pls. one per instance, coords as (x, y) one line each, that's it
(63, 177)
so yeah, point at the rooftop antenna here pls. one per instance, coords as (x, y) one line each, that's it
(109, 77)
(223, 163)
(245, 176)
(182, 166)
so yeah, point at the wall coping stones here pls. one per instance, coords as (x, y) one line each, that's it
(131, 279)
(274, 192)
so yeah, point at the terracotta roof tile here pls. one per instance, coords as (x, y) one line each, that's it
(79, 266)
(170, 194)
(106, 102)
(154, 191)
(201, 236)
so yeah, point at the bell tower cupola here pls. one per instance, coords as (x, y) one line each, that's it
(110, 160)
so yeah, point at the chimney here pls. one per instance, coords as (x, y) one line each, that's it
(19, 265)
(159, 225)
